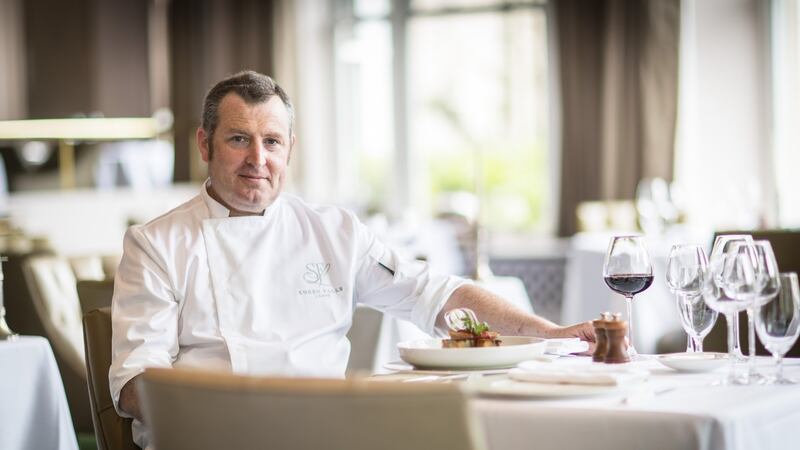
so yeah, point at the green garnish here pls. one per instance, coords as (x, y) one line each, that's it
(474, 327)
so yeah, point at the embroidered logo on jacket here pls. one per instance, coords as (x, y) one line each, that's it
(316, 275)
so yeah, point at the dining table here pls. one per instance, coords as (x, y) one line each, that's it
(33, 407)
(667, 410)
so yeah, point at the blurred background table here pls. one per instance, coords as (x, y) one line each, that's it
(33, 408)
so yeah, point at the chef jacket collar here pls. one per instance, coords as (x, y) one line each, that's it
(217, 209)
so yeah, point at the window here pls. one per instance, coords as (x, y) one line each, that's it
(786, 107)
(441, 100)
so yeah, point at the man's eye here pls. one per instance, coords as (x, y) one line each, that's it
(239, 140)
(271, 142)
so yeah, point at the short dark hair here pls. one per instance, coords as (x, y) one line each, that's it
(252, 87)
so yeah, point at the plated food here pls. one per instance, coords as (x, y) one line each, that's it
(466, 331)
(470, 346)
(431, 354)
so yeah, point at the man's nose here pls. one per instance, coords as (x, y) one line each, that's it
(257, 156)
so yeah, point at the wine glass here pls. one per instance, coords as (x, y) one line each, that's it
(685, 268)
(778, 322)
(767, 285)
(722, 247)
(627, 270)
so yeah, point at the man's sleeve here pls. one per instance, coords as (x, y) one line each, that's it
(144, 314)
(404, 288)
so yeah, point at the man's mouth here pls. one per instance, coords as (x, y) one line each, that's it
(254, 177)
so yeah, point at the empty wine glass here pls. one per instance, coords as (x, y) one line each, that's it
(729, 306)
(722, 247)
(778, 322)
(767, 285)
(627, 270)
(685, 268)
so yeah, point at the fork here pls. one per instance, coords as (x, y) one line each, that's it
(629, 399)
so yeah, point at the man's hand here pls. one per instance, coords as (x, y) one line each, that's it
(129, 399)
(583, 330)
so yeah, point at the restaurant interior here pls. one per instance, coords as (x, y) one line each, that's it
(515, 143)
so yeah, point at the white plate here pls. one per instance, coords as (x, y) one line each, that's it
(429, 354)
(504, 387)
(405, 368)
(693, 362)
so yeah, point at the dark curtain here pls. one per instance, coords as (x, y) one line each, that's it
(209, 40)
(618, 65)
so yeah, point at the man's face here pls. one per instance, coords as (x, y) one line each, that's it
(251, 149)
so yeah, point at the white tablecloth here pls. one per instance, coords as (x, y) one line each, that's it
(33, 407)
(695, 415)
(586, 295)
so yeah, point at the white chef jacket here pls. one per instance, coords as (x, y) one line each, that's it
(271, 294)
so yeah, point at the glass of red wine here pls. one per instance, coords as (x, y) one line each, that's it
(627, 270)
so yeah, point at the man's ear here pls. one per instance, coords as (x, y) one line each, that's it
(203, 144)
(291, 147)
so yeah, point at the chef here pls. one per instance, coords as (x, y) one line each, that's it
(247, 279)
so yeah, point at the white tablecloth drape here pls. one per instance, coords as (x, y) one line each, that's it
(695, 415)
(33, 407)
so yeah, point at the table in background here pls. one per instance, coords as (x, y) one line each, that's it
(695, 415)
(33, 408)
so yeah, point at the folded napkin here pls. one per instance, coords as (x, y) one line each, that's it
(596, 375)
(566, 346)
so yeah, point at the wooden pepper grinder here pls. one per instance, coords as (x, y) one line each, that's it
(616, 330)
(601, 348)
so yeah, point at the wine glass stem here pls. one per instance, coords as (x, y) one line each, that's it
(730, 319)
(686, 302)
(737, 349)
(751, 342)
(779, 370)
(697, 344)
(629, 308)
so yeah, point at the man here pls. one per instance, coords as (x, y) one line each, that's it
(246, 279)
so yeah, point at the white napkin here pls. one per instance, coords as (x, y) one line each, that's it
(597, 375)
(566, 346)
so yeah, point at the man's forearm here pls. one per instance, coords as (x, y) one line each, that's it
(507, 319)
(129, 399)
(501, 315)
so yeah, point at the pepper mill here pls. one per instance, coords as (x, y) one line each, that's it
(601, 348)
(616, 330)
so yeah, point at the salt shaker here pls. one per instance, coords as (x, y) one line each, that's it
(616, 330)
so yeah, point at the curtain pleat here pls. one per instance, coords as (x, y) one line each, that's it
(618, 65)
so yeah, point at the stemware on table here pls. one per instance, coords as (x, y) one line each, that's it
(778, 322)
(627, 270)
(716, 298)
(722, 248)
(766, 285)
(685, 268)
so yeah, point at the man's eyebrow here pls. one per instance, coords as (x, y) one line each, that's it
(236, 131)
